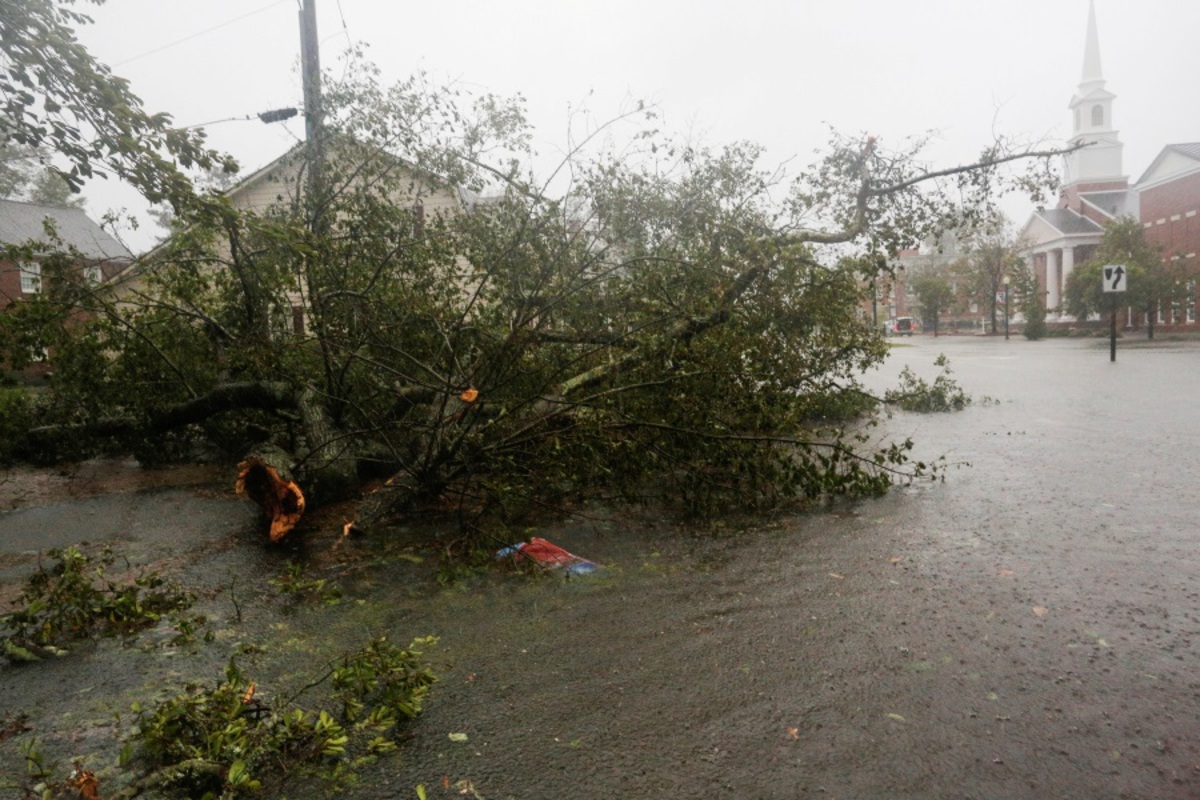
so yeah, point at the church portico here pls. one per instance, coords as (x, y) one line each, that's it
(1053, 263)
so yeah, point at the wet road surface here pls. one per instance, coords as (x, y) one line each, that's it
(1026, 629)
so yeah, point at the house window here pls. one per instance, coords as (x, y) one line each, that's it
(1097, 116)
(92, 275)
(31, 277)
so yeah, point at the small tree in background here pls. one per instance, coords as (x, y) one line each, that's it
(935, 296)
(24, 176)
(1032, 301)
(991, 254)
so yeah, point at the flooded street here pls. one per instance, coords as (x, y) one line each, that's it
(1028, 628)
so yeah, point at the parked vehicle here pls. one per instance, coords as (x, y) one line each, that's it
(904, 326)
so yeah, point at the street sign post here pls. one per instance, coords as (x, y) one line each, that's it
(1115, 279)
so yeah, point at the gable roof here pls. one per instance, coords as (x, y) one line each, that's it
(24, 222)
(1172, 161)
(1111, 204)
(297, 153)
(1068, 222)
(1189, 149)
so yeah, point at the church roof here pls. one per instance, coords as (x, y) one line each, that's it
(1115, 204)
(25, 222)
(1068, 222)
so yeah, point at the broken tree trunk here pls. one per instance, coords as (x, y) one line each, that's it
(323, 469)
(327, 458)
(265, 476)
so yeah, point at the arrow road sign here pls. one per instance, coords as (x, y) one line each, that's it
(1114, 278)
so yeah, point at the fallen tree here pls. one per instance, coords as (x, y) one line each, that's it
(665, 326)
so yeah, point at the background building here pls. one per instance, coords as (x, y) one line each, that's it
(1096, 192)
(29, 232)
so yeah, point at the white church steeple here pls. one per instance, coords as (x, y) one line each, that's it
(1092, 72)
(1100, 160)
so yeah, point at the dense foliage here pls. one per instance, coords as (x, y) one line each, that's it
(660, 318)
(58, 98)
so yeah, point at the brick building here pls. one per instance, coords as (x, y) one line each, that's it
(29, 232)
(1168, 199)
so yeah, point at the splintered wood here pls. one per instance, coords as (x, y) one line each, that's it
(276, 494)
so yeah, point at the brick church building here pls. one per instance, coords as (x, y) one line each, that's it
(1095, 192)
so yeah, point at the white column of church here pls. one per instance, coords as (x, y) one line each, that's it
(1052, 279)
(1029, 265)
(1068, 264)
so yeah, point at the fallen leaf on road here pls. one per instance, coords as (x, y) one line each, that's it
(794, 733)
(457, 737)
(839, 577)
(1004, 572)
(465, 787)
(897, 559)
(1039, 611)
(897, 717)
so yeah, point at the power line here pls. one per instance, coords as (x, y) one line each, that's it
(199, 33)
(342, 14)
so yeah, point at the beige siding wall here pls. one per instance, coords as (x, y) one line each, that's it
(276, 186)
(282, 183)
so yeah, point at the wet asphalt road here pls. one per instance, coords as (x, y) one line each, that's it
(1026, 629)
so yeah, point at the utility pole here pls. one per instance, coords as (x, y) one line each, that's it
(314, 111)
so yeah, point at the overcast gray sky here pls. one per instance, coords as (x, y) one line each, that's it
(777, 72)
